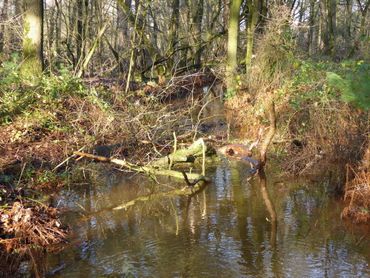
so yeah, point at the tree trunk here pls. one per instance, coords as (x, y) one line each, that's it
(198, 19)
(331, 8)
(330, 34)
(57, 38)
(310, 41)
(15, 39)
(173, 31)
(324, 38)
(232, 47)
(70, 30)
(79, 33)
(348, 24)
(33, 63)
(363, 8)
(225, 14)
(174, 23)
(252, 21)
(4, 29)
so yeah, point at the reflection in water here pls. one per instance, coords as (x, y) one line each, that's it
(269, 205)
(221, 232)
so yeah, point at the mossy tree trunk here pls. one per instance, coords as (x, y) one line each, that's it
(33, 63)
(232, 47)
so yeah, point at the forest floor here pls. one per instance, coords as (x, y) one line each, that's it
(41, 126)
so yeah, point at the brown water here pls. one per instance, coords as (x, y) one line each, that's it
(225, 231)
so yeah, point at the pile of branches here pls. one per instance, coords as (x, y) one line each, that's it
(182, 86)
(25, 225)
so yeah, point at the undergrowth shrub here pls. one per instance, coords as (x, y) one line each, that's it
(17, 98)
(320, 119)
(275, 51)
(317, 113)
(273, 65)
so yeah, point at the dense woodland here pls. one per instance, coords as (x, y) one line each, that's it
(121, 38)
(82, 75)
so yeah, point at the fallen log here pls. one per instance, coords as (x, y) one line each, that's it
(181, 156)
(160, 167)
(144, 169)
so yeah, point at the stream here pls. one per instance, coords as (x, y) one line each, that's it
(225, 231)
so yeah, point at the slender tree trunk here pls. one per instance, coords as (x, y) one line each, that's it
(123, 34)
(15, 38)
(50, 23)
(232, 47)
(311, 28)
(174, 23)
(362, 25)
(85, 28)
(252, 21)
(70, 30)
(225, 13)
(324, 26)
(225, 20)
(57, 39)
(33, 63)
(348, 24)
(128, 4)
(263, 13)
(329, 38)
(363, 9)
(173, 29)
(331, 8)
(4, 28)
(79, 33)
(198, 20)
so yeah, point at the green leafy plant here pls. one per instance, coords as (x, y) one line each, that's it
(9, 73)
(354, 87)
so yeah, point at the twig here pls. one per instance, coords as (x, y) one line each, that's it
(20, 176)
(66, 160)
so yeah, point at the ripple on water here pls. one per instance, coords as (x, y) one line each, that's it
(223, 232)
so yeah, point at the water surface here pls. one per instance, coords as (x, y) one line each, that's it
(225, 231)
